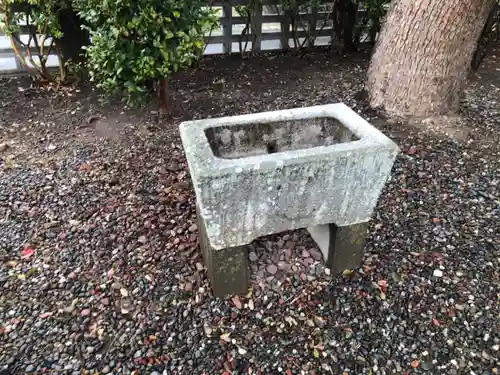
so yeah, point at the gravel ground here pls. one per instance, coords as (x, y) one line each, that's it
(100, 270)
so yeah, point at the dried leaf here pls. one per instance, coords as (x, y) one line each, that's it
(225, 337)
(208, 330)
(436, 322)
(84, 167)
(250, 292)
(46, 315)
(316, 353)
(367, 269)
(26, 253)
(110, 273)
(382, 284)
(437, 256)
(382, 296)
(31, 271)
(347, 272)
(288, 372)
(415, 363)
(12, 263)
(242, 351)
(236, 302)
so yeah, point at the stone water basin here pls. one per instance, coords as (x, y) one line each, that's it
(265, 173)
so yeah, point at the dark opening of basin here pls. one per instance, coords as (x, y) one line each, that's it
(239, 141)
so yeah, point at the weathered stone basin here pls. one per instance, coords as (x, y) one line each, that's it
(265, 173)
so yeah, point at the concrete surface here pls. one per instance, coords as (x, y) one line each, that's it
(265, 173)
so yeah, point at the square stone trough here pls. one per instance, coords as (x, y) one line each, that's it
(321, 168)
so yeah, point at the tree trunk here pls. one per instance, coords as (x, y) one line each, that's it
(344, 15)
(423, 55)
(163, 94)
(74, 36)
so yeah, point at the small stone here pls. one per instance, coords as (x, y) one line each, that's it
(308, 261)
(142, 239)
(426, 365)
(252, 256)
(4, 146)
(316, 254)
(438, 273)
(305, 254)
(412, 150)
(193, 228)
(30, 368)
(272, 269)
(85, 312)
(92, 119)
(283, 266)
(320, 322)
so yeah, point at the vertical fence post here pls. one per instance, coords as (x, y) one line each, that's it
(257, 19)
(312, 25)
(285, 30)
(227, 27)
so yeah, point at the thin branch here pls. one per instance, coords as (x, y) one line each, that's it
(20, 56)
(62, 68)
(15, 39)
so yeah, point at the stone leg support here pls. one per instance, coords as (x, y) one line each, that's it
(227, 268)
(342, 247)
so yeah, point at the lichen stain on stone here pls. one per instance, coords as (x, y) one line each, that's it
(321, 172)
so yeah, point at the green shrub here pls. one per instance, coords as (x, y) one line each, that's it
(135, 43)
(41, 24)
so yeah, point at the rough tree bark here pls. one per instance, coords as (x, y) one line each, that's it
(423, 55)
